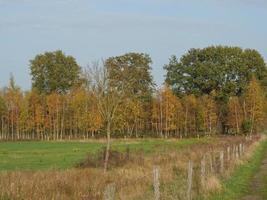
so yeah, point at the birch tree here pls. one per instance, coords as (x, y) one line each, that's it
(108, 99)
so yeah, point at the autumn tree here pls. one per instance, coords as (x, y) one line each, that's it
(254, 105)
(94, 118)
(36, 113)
(84, 111)
(189, 105)
(209, 110)
(179, 116)
(24, 120)
(108, 99)
(79, 105)
(234, 114)
(130, 113)
(3, 111)
(168, 110)
(13, 96)
(201, 117)
(157, 114)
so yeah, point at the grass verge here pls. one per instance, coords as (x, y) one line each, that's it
(238, 184)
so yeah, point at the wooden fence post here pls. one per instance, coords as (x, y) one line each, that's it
(203, 171)
(156, 183)
(228, 154)
(233, 152)
(109, 193)
(221, 162)
(189, 180)
(236, 151)
(211, 163)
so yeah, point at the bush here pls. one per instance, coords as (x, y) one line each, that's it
(116, 159)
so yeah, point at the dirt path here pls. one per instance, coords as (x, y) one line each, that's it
(258, 185)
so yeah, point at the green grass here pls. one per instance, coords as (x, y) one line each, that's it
(239, 183)
(63, 155)
(263, 192)
(43, 155)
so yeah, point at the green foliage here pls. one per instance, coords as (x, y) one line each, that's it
(225, 70)
(54, 72)
(246, 126)
(134, 71)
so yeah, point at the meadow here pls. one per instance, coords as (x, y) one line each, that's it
(48, 170)
(65, 154)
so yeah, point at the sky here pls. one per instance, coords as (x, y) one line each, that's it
(91, 30)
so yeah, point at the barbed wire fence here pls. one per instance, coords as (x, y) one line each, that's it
(214, 162)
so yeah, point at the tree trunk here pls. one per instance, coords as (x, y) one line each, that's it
(185, 121)
(252, 117)
(62, 123)
(3, 127)
(107, 148)
(161, 121)
(236, 120)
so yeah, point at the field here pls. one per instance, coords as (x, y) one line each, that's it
(63, 155)
(48, 170)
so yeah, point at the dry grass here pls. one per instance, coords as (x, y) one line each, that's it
(213, 184)
(133, 180)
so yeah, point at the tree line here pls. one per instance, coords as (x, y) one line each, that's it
(215, 90)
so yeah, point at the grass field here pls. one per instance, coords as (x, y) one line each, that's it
(45, 170)
(63, 155)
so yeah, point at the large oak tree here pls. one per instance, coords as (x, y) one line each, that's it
(54, 72)
(225, 70)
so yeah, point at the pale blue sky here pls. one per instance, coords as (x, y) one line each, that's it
(94, 29)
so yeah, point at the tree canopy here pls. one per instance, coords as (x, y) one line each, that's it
(225, 70)
(133, 70)
(54, 72)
